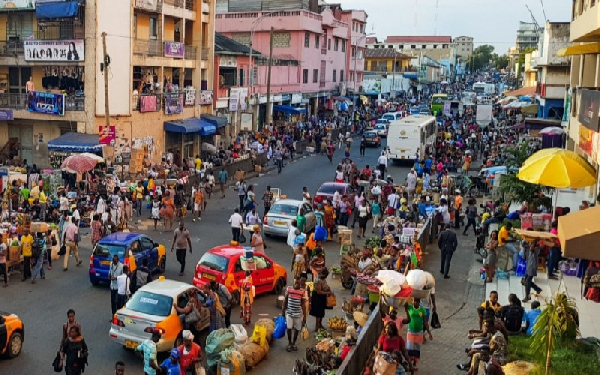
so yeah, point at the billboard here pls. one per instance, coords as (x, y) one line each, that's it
(148, 103)
(173, 104)
(484, 114)
(174, 49)
(46, 102)
(54, 50)
(206, 97)
(588, 109)
(107, 135)
(234, 99)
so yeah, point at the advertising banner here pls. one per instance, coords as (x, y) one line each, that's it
(54, 50)
(206, 97)
(586, 141)
(447, 107)
(46, 102)
(296, 98)
(107, 135)
(173, 104)
(10, 5)
(244, 99)
(588, 109)
(484, 114)
(190, 97)
(148, 103)
(174, 49)
(234, 98)
(6, 115)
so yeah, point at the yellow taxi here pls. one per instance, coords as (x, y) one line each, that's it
(12, 334)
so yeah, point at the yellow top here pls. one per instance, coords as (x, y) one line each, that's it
(139, 192)
(485, 216)
(488, 304)
(198, 163)
(42, 198)
(503, 236)
(26, 244)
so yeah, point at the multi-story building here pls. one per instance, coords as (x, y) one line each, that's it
(52, 66)
(464, 46)
(318, 37)
(553, 71)
(528, 35)
(435, 47)
(386, 60)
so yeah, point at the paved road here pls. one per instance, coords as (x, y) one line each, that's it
(43, 306)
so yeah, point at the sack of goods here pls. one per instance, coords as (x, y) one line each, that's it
(216, 342)
(422, 283)
(384, 364)
(240, 334)
(231, 363)
(253, 353)
(269, 325)
(259, 335)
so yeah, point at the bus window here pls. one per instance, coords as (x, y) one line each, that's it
(423, 136)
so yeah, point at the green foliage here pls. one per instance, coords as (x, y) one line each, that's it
(481, 57)
(513, 189)
(501, 62)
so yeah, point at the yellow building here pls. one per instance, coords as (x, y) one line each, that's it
(159, 73)
(529, 71)
(386, 60)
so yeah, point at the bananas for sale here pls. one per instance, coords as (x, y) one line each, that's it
(337, 324)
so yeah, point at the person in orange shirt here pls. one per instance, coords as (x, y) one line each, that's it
(198, 203)
(458, 202)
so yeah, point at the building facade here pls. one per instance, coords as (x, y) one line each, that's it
(464, 46)
(386, 60)
(528, 36)
(435, 47)
(158, 63)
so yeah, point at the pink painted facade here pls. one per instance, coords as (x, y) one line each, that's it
(355, 60)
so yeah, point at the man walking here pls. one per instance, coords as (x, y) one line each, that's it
(294, 310)
(458, 202)
(471, 213)
(267, 199)
(123, 292)
(363, 146)
(26, 246)
(532, 253)
(71, 239)
(382, 163)
(279, 159)
(139, 197)
(39, 245)
(447, 243)
(237, 224)
(222, 181)
(3, 268)
(115, 270)
(181, 238)
(240, 186)
(141, 276)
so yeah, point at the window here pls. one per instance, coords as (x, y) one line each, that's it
(228, 77)
(17, 79)
(435, 46)
(412, 46)
(401, 46)
(353, 51)
(390, 46)
(334, 75)
(304, 75)
(147, 244)
(444, 46)
(153, 28)
(281, 39)
(242, 77)
(424, 46)
(336, 44)
(315, 75)
(341, 76)
(343, 46)
(317, 40)
(329, 44)
(307, 39)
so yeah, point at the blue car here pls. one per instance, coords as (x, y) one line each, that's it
(132, 248)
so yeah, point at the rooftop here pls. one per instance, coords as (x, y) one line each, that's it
(228, 46)
(420, 39)
(380, 53)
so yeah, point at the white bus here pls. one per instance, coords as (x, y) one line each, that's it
(411, 136)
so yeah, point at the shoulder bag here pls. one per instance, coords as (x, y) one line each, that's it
(193, 316)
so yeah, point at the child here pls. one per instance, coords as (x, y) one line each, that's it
(156, 210)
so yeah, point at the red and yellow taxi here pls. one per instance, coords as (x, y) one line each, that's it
(12, 333)
(227, 265)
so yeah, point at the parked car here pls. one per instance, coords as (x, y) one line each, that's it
(372, 139)
(150, 309)
(381, 130)
(383, 122)
(12, 334)
(327, 190)
(225, 265)
(277, 221)
(131, 248)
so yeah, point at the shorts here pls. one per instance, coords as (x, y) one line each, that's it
(295, 323)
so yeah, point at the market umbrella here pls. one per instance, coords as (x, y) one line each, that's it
(78, 164)
(508, 99)
(525, 98)
(552, 130)
(98, 158)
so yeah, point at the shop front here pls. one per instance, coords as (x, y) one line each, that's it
(182, 138)
(72, 143)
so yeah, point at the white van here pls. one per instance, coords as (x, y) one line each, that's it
(410, 136)
(392, 116)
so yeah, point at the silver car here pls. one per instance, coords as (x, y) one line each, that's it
(281, 214)
(150, 309)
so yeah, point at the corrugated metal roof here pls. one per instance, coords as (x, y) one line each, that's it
(418, 39)
(375, 53)
(225, 45)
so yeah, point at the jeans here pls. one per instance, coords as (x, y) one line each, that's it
(362, 151)
(446, 259)
(228, 317)
(236, 234)
(181, 258)
(530, 284)
(43, 210)
(26, 267)
(113, 300)
(39, 268)
(121, 300)
(241, 197)
(515, 254)
(553, 260)
(139, 206)
(469, 223)
(279, 163)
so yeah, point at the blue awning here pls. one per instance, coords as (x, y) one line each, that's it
(207, 128)
(57, 9)
(76, 142)
(289, 109)
(190, 125)
(217, 121)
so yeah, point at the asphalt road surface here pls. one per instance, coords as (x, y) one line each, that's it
(43, 306)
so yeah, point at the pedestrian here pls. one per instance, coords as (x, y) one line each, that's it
(319, 216)
(240, 187)
(363, 217)
(390, 341)
(225, 298)
(458, 202)
(246, 298)
(39, 245)
(138, 197)
(330, 152)
(531, 254)
(141, 276)
(416, 331)
(156, 210)
(301, 221)
(363, 146)
(168, 211)
(148, 348)
(294, 310)
(447, 243)
(198, 203)
(71, 239)
(318, 301)
(66, 328)
(181, 239)
(74, 352)
(213, 304)
(382, 163)
(257, 242)
(191, 353)
(96, 230)
(119, 368)
(170, 366)
(123, 288)
(237, 224)
(506, 240)
(115, 270)
(210, 185)
(26, 251)
(279, 159)
(250, 201)
(555, 253)
(329, 219)
(376, 213)
(267, 200)
(471, 213)
(43, 200)
(3, 268)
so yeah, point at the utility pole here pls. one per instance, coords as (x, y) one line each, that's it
(269, 109)
(105, 71)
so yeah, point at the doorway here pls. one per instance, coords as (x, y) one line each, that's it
(25, 135)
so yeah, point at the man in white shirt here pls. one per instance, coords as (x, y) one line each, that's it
(382, 162)
(411, 181)
(305, 195)
(75, 214)
(237, 224)
(123, 288)
(392, 202)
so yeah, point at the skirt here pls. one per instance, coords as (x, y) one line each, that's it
(414, 340)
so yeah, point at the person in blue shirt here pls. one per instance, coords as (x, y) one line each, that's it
(428, 163)
(170, 365)
(422, 205)
(531, 317)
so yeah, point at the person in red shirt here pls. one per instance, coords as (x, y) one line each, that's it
(191, 353)
(391, 342)
(366, 173)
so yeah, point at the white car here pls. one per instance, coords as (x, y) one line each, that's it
(277, 221)
(381, 130)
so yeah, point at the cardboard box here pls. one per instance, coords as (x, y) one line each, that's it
(38, 226)
(14, 253)
(258, 168)
(239, 175)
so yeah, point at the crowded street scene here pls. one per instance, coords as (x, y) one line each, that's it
(293, 187)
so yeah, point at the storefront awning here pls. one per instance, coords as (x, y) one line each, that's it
(579, 49)
(191, 125)
(76, 142)
(289, 109)
(56, 9)
(217, 121)
(207, 128)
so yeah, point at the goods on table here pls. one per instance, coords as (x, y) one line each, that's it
(253, 353)
(14, 253)
(36, 227)
(216, 342)
(337, 324)
(269, 325)
(399, 299)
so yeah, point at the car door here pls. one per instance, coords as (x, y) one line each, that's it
(311, 220)
(263, 276)
(150, 252)
(137, 252)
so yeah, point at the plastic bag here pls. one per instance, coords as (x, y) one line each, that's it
(240, 333)
(305, 334)
(435, 321)
(280, 327)
(320, 234)
(521, 267)
(259, 335)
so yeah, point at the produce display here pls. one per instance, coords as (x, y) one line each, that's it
(337, 324)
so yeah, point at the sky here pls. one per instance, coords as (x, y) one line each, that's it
(492, 22)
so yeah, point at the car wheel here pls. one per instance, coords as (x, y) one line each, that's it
(235, 298)
(162, 265)
(279, 286)
(15, 344)
(95, 282)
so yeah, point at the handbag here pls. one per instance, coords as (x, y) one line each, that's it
(56, 364)
(192, 317)
(63, 250)
(435, 321)
(331, 301)
(242, 238)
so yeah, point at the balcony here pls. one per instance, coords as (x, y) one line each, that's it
(11, 48)
(186, 4)
(204, 54)
(74, 103)
(155, 102)
(585, 26)
(191, 52)
(149, 5)
(18, 101)
(148, 47)
(234, 22)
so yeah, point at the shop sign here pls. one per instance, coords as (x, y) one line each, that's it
(46, 102)
(588, 109)
(206, 97)
(286, 97)
(228, 61)
(190, 97)
(174, 49)
(9, 6)
(173, 104)
(296, 98)
(243, 104)
(234, 98)
(54, 50)
(586, 141)
(6, 115)
(107, 135)
(148, 103)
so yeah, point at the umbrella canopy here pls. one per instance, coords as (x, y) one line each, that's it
(444, 82)
(557, 168)
(78, 164)
(98, 158)
(552, 130)
(508, 99)
(525, 99)
(579, 234)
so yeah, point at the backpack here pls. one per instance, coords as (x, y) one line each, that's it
(36, 249)
(513, 319)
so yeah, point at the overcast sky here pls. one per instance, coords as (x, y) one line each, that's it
(488, 21)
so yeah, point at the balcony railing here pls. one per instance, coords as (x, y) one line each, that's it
(155, 102)
(204, 53)
(187, 4)
(11, 48)
(149, 5)
(148, 47)
(18, 101)
(191, 52)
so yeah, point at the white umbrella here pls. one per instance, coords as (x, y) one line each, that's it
(444, 82)
(98, 158)
(554, 130)
(386, 275)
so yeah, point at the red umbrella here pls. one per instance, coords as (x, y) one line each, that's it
(78, 164)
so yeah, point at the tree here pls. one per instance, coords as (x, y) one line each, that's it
(501, 62)
(481, 57)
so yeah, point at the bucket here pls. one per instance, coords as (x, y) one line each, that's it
(373, 294)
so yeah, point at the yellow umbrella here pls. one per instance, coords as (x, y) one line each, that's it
(557, 168)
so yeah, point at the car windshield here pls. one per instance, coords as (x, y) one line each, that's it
(331, 189)
(214, 262)
(109, 250)
(370, 135)
(150, 303)
(284, 209)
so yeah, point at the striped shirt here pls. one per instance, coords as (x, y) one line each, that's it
(295, 298)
